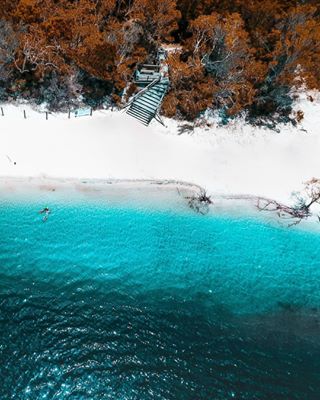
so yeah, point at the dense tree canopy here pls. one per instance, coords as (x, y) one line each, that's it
(228, 55)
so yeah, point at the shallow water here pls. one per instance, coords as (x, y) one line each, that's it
(129, 303)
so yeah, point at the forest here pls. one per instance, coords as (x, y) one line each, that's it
(234, 57)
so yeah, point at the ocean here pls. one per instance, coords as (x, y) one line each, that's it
(119, 301)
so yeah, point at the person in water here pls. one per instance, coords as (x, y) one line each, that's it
(45, 211)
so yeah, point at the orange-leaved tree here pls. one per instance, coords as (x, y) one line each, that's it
(159, 18)
(222, 44)
(296, 56)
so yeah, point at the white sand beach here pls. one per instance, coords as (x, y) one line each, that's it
(233, 160)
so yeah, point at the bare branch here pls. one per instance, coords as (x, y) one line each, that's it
(301, 210)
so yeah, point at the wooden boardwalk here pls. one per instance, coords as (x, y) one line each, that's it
(145, 105)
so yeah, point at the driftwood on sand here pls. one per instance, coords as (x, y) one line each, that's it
(283, 211)
(301, 210)
(199, 201)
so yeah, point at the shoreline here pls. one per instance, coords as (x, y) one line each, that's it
(140, 193)
(235, 161)
(163, 192)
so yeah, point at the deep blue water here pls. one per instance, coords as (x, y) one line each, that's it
(124, 303)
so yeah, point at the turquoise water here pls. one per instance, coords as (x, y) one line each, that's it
(121, 302)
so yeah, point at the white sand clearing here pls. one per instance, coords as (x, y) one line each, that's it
(237, 159)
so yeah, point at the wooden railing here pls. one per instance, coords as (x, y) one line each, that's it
(142, 91)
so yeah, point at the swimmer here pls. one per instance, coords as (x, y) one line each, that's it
(45, 211)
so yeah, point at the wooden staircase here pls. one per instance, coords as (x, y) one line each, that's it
(145, 104)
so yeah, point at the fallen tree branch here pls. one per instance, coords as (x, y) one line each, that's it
(284, 211)
(199, 202)
(301, 210)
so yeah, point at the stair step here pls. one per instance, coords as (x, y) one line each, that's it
(147, 100)
(156, 93)
(153, 96)
(147, 106)
(148, 92)
(141, 110)
(159, 87)
(141, 114)
(144, 110)
(144, 118)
